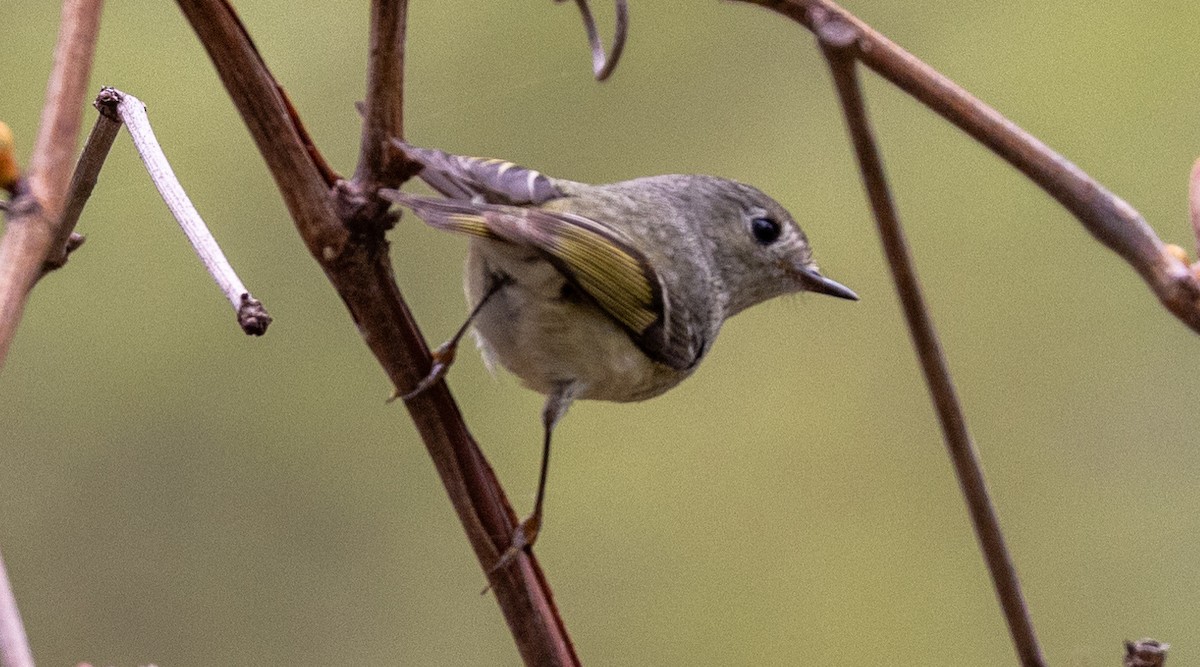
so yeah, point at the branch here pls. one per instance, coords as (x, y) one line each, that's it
(34, 214)
(603, 65)
(1107, 217)
(252, 317)
(836, 36)
(355, 260)
(83, 181)
(383, 109)
(14, 645)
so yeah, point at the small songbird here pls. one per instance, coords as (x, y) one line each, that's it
(610, 292)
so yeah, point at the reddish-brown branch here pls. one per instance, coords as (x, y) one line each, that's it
(383, 108)
(1107, 217)
(835, 37)
(358, 266)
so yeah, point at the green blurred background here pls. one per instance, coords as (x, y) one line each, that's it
(173, 491)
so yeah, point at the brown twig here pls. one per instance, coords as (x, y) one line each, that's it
(348, 243)
(14, 644)
(836, 37)
(383, 108)
(35, 213)
(603, 65)
(1107, 217)
(83, 180)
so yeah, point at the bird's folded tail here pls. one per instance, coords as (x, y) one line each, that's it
(472, 178)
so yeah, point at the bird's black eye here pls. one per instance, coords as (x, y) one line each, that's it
(766, 231)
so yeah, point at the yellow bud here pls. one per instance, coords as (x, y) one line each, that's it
(9, 171)
(1176, 252)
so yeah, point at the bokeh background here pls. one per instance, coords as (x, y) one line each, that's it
(172, 491)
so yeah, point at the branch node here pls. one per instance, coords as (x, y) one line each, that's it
(834, 33)
(363, 214)
(1146, 653)
(106, 103)
(252, 317)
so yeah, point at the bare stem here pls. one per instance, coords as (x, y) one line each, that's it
(34, 214)
(251, 316)
(1107, 217)
(383, 108)
(87, 170)
(14, 645)
(835, 36)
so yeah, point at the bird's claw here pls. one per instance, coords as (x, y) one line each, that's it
(523, 538)
(443, 356)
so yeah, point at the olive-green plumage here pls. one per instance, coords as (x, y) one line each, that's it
(612, 292)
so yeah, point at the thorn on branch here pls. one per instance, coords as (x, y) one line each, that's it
(602, 65)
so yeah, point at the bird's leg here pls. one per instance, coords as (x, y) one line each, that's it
(443, 356)
(527, 531)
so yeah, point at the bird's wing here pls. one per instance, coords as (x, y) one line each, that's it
(469, 178)
(600, 261)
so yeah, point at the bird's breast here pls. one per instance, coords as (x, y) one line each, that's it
(544, 330)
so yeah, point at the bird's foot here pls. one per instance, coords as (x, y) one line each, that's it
(523, 538)
(443, 357)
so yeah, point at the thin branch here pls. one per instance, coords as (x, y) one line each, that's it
(383, 109)
(603, 65)
(357, 265)
(1107, 217)
(34, 213)
(87, 170)
(14, 644)
(252, 317)
(836, 37)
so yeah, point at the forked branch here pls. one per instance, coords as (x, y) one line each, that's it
(343, 227)
(1106, 216)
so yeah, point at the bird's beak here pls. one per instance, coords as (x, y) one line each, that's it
(815, 282)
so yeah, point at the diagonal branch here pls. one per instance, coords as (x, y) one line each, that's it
(34, 214)
(34, 219)
(835, 37)
(14, 645)
(1107, 217)
(251, 315)
(347, 241)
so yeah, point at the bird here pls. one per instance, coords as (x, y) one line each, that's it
(611, 292)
